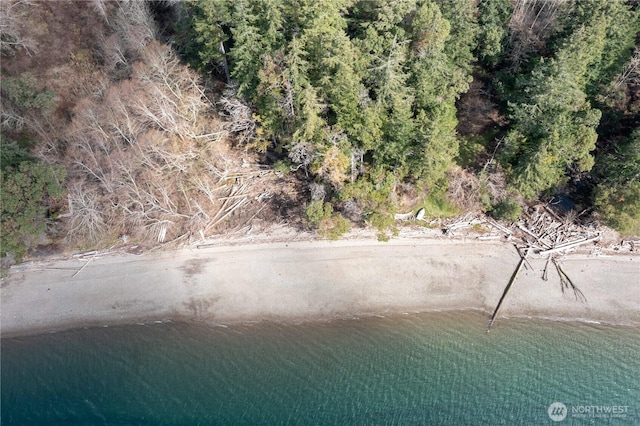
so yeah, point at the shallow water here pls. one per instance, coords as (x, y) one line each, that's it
(432, 368)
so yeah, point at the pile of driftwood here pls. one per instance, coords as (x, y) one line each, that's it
(542, 230)
(627, 245)
(542, 233)
(551, 236)
(548, 234)
(466, 221)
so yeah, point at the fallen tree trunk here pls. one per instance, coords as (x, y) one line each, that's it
(566, 283)
(514, 276)
(569, 245)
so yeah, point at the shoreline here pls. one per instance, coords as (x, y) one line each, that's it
(312, 280)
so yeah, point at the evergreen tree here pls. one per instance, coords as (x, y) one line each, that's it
(617, 195)
(436, 142)
(256, 27)
(249, 48)
(201, 32)
(431, 68)
(25, 191)
(351, 88)
(494, 16)
(553, 125)
(461, 42)
(270, 98)
(306, 107)
(623, 27)
(331, 58)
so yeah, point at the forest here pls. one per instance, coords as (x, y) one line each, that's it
(169, 121)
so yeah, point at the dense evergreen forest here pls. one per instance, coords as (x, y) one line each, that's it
(368, 107)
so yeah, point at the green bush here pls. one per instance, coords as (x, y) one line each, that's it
(508, 209)
(436, 205)
(619, 207)
(374, 196)
(383, 236)
(338, 226)
(282, 166)
(381, 221)
(320, 216)
(316, 212)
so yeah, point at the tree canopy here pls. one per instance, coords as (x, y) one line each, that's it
(349, 88)
(356, 89)
(367, 109)
(26, 187)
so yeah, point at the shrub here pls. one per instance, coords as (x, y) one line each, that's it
(338, 226)
(317, 212)
(374, 197)
(508, 209)
(619, 207)
(282, 166)
(330, 225)
(438, 206)
(381, 221)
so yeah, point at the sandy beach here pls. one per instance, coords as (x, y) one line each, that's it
(311, 280)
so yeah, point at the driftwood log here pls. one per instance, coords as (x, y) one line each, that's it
(514, 276)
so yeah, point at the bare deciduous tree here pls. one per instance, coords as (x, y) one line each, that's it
(86, 220)
(114, 53)
(240, 119)
(134, 24)
(531, 24)
(631, 73)
(302, 154)
(12, 36)
(138, 150)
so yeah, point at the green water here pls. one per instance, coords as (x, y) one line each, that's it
(436, 368)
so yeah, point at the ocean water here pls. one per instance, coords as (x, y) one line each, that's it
(422, 369)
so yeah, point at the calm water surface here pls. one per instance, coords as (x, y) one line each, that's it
(433, 368)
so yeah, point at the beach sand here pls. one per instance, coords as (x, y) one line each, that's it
(311, 280)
